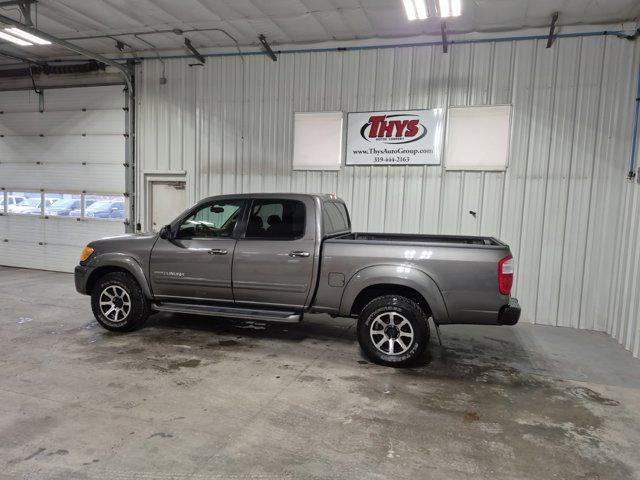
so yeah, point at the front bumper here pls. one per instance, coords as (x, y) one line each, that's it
(81, 275)
(509, 314)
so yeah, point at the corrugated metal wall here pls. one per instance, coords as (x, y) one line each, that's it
(228, 124)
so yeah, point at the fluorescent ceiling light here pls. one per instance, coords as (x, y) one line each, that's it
(421, 8)
(456, 8)
(416, 9)
(444, 8)
(449, 8)
(410, 9)
(16, 40)
(27, 36)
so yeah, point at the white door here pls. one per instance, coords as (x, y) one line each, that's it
(62, 174)
(168, 200)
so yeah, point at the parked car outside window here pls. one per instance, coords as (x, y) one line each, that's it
(32, 206)
(102, 209)
(65, 206)
(12, 201)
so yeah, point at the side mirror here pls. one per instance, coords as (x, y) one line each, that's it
(165, 232)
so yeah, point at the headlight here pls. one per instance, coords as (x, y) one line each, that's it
(86, 253)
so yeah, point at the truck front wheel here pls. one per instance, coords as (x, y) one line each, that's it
(393, 331)
(118, 302)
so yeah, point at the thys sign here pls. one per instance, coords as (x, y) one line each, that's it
(408, 137)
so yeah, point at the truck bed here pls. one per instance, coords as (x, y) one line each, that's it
(462, 270)
(412, 238)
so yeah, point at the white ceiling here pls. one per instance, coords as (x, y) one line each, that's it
(291, 21)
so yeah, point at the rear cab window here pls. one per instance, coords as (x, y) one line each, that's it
(335, 218)
(276, 219)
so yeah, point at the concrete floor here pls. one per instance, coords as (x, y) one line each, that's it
(197, 398)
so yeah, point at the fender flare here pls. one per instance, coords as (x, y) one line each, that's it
(125, 262)
(401, 275)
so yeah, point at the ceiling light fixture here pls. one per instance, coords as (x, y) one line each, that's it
(449, 8)
(416, 9)
(27, 36)
(16, 40)
(410, 9)
(444, 8)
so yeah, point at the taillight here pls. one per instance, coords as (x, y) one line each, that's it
(505, 275)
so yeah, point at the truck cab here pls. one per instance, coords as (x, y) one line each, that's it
(267, 244)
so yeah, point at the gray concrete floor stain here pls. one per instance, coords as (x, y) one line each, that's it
(192, 397)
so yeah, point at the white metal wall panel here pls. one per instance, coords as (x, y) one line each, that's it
(58, 177)
(76, 145)
(49, 244)
(62, 99)
(563, 204)
(90, 149)
(64, 122)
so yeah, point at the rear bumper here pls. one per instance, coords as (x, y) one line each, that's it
(509, 314)
(81, 275)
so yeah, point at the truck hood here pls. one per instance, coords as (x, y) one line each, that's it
(133, 242)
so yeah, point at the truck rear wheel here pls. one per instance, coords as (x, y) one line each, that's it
(118, 302)
(393, 331)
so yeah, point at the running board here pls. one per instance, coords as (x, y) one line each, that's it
(231, 312)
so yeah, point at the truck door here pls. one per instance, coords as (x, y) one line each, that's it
(273, 260)
(196, 263)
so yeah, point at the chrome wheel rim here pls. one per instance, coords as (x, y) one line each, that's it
(115, 303)
(391, 333)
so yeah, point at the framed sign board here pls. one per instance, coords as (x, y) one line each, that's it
(317, 143)
(478, 138)
(395, 137)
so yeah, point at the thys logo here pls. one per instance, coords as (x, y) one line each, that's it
(399, 128)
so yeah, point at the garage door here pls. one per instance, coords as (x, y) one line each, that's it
(62, 173)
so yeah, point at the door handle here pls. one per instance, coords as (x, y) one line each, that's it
(298, 253)
(217, 251)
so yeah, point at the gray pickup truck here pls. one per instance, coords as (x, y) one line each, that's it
(275, 257)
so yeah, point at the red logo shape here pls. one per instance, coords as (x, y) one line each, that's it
(400, 128)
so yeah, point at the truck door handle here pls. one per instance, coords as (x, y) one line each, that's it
(298, 253)
(217, 251)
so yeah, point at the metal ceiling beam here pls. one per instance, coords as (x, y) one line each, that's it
(267, 48)
(23, 5)
(10, 3)
(445, 44)
(124, 70)
(192, 49)
(552, 30)
(22, 59)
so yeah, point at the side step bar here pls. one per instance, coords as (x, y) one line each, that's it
(231, 312)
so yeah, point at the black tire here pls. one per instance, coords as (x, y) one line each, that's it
(129, 319)
(409, 341)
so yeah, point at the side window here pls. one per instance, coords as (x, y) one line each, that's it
(277, 219)
(334, 218)
(213, 220)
